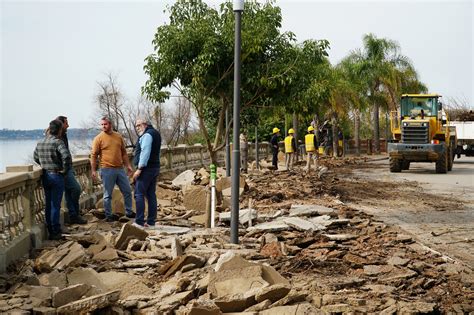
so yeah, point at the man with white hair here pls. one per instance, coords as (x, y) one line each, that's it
(147, 163)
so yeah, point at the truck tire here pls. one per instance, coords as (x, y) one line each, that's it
(395, 165)
(405, 165)
(442, 162)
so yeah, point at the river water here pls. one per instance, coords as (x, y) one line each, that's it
(18, 152)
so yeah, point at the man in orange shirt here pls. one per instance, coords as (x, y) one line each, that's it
(110, 147)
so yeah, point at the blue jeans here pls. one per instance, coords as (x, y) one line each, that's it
(110, 177)
(53, 185)
(72, 192)
(145, 187)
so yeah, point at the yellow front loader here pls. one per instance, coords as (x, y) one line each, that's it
(421, 133)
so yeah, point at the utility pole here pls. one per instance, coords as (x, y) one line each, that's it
(227, 144)
(234, 232)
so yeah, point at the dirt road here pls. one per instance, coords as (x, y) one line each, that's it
(436, 208)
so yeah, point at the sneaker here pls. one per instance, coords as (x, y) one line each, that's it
(131, 215)
(77, 220)
(56, 236)
(141, 227)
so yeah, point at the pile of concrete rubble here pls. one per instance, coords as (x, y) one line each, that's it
(302, 252)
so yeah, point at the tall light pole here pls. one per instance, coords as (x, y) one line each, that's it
(234, 222)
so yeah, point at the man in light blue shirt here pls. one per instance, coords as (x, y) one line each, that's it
(147, 162)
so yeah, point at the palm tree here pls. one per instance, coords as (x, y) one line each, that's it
(381, 64)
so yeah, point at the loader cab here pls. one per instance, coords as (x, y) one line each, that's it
(419, 106)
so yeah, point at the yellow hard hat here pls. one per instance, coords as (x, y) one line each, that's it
(291, 130)
(310, 128)
(275, 130)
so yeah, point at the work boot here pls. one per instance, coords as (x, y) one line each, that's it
(112, 218)
(55, 236)
(131, 215)
(77, 219)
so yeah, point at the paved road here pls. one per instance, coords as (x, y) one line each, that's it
(449, 231)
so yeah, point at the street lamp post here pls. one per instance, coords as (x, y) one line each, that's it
(234, 224)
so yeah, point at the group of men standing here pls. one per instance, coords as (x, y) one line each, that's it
(109, 153)
(311, 147)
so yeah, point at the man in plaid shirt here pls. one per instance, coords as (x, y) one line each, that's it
(53, 156)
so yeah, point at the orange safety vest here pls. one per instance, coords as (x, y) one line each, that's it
(309, 142)
(288, 146)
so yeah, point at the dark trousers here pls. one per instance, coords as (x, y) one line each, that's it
(145, 187)
(72, 192)
(275, 157)
(53, 185)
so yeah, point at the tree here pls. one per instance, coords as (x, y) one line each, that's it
(194, 54)
(381, 63)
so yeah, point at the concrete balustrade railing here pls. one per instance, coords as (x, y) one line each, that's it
(22, 201)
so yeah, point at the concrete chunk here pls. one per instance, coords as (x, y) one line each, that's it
(70, 294)
(272, 293)
(309, 210)
(269, 227)
(301, 224)
(244, 215)
(91, 303)
(127, 233)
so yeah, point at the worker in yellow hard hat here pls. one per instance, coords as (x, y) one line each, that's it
(274, 144)
(311, 145)
(290, 148)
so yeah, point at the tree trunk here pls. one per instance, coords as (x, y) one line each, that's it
(376, 129)
(357, 131)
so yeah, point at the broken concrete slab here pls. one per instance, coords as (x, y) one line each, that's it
(184, 178)
(244, 215)
(91, 303)
(340, 237)
(167, 229)
(177, 264)
(203, 307)
(138, 263)
(235, 303)
(86, 276)
(273, 292)
(301, 224)
(107, 254)
(397, 261)
(309, 210)
(53, 279)
(298, 309)
(127, 233)
(226, 182)
(69, 294)
(269, 227)
(74, 257)
(195, 198)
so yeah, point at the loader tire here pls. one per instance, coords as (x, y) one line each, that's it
(450, 158)
(442, 163)
(405, 165)
(395, 165)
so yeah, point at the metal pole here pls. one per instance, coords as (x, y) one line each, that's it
(227, 144)
(213, 194)
(234, 232)
(256, 147)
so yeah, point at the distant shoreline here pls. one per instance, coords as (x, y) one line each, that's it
(35, 134)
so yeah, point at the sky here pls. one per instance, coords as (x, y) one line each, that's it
(53, 54)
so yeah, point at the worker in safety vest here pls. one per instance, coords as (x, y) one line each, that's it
(311, 146)
(290, 149)
(274, 144)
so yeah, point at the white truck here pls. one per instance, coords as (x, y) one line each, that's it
(465, 135)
